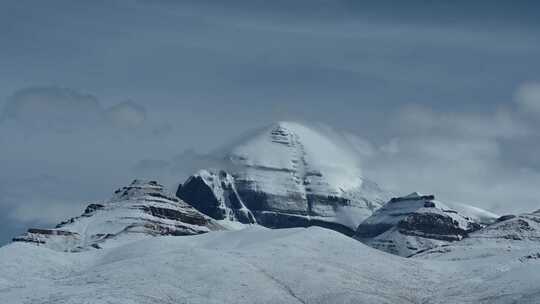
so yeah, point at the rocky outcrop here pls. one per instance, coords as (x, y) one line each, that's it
(509, 235)
(414, 223)
(42, 236)
(513, 227)
(138, 210)
(214, 194)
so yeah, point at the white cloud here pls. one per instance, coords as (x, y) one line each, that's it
(359, 145)
(65, 109)
(61, 148)
(126, 115)
(392, 147)
(497, 123)
(460, 157)
(52, 107)
(42, 198)
(527, 96)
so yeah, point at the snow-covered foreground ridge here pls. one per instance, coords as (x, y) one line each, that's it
(259, 265)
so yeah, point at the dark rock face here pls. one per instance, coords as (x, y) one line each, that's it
(214, 194)
(505, 217)
(200, 196)
(142, 208)
(256, 200)
(299, 196)
(175, 215)
(414, 223)
(281, 220)
(429, 204)
(508, 233)
(222, 196)
(533, 256)
(435, 226)
(413, 198)
(50, 231)
(92, 207)
(32, 235)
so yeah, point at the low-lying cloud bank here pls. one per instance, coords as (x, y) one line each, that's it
(487, 159)
(528, 98)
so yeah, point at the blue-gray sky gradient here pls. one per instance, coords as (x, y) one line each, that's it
(443, 90)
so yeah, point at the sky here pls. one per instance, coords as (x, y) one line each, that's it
(439, 97)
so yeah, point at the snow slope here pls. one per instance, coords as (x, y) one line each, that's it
(258, 265)
(254, 265)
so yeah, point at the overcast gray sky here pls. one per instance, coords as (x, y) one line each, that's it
(441, 97)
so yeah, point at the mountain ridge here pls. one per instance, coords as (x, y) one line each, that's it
(142, 208)
(416, 222)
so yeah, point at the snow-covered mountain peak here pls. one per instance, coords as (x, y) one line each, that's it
(289, 175)
(137, 188)
(136, 211)
(307, 151)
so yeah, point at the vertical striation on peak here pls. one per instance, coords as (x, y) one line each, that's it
(291, 175)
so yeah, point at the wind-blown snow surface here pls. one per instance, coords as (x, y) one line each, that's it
(254, 265)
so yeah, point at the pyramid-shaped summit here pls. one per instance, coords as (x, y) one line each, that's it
(291, 175)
